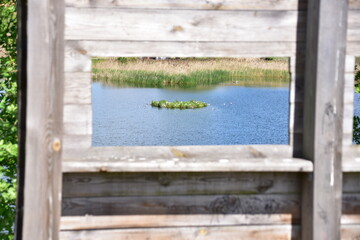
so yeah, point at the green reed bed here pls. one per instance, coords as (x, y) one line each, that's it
(192, 104)
(159, 79)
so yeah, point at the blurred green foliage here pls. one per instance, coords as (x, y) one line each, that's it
(8, 117)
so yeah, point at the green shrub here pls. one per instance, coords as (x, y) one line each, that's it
(8, 117)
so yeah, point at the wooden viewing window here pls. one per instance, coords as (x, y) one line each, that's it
(63, 36)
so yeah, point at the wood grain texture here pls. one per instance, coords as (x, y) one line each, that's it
(76, 143)
(323, 110)
(147, 184)
(353, 48)
(206, 5)
(351, 162)
(77, 119)
(184, 25)
(259, 158)
(174, 49)
(76, 60)
(45, 56)
(350, 232)
(193, 5)
(147, 221)
(193, 204)
(77, 88)
(282, 232)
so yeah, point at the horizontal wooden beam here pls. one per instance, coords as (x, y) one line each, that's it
(238, 158)
(284, 232)
(191, 4)
(202, 4)
(178, 220)
(184, 25)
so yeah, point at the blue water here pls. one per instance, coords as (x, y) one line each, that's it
(357, 104)
(236, 115)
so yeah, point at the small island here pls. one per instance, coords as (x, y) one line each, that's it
(179, 104)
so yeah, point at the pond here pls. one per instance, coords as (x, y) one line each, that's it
(235, 115)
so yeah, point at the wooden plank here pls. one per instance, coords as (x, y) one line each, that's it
(148, 221)
(282, 232)
(353, 48)
(351, 203)
(143, 153)
(201, 164)
(350, 232)
(45, 50)
(194, 204)
(323, 109)
(353, 32)
(77, 119)
(76, 143)
(350, 219)
(349, 88)
(354, 4)
(77, 88)
(76, 60)
(184, 25)
(147, 184)
(190, 4)
(259, 158)
(176, 49)
(351, 162)
(351, 183)
(296, 120)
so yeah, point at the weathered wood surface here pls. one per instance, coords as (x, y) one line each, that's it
(208, 5)
(147, 184)
(259, 158)
(76, 60)
(77, 88)
(77, 119)
(350, 232)
(185, 25)
(323, 110)
(351, 183)
(176, 25)
(353, 48)
(280, 232)
(146, 221)
(45, 51)
(77, 49)
(351, 163)
(191, 4)
(194, 204)
(178, 220)
(78, 143)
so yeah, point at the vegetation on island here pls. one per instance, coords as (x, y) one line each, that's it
(192, 104)
(8, 117)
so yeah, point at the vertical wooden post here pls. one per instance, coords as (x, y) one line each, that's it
(323, 110)
(45, 50)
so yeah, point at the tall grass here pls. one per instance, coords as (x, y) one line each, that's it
(187, 73)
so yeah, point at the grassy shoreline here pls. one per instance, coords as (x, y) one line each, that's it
(189, 72)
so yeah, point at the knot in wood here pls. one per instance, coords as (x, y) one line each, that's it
(177, 28)
(56, 145)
